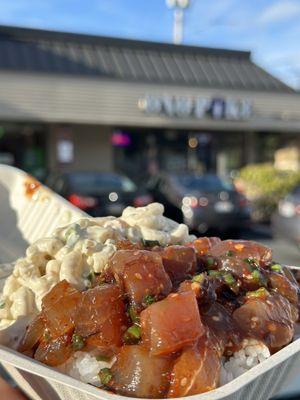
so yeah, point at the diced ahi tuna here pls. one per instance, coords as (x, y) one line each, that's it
(196, 287)
(179, 262)
(267, 318)
(58, 308)
(55, 352)
(196, 370)
(137, 374)
(140, 273)
(104, 344)
(245, 259)
(284, 286)
(241, 250)
(219, 321)
(204, 288)
(33, 334)
(128, 245)
(171, 324)
(101, 312)
(203, 245)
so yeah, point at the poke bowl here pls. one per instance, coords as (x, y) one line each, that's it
(137, 307)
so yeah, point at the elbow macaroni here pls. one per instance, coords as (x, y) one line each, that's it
(74, 251)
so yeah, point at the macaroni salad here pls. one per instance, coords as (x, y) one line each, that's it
(76, 252)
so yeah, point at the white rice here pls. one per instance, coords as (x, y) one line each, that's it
(252, 353)
(85, 367)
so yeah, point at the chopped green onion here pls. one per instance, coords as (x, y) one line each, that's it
(133, 314)
(209, 262)
(256, 274)
(2, 304)
(91, 276)
(150, 243)
(259, 277)
(216, 274)
(251, 261)
(103, 358)
(229, 279)
(276, 267)
(132, 335)
(105, 376)
(77, 342)
(261, 292)
(148, 300)
(229, 253)
(198, 278)
(134, 331)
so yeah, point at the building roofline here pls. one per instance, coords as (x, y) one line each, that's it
(23, 33)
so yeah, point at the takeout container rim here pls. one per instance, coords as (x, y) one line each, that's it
(42, 188)
(22, 362)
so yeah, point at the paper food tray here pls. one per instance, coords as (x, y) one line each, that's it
(25, 217)
(28, 212)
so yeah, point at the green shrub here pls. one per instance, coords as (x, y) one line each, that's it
(264, 186)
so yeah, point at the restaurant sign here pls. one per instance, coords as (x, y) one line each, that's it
(216, 108)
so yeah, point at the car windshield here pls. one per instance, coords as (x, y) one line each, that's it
(203, 182)
(100, 183)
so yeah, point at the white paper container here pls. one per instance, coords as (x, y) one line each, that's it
(24, 219)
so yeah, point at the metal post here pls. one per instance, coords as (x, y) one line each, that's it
(178, 26)
(179, 6)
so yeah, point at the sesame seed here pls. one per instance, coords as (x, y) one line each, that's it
(138, 275)
(174, 295)
(254, 319)
(183, 381)
(216, 318)
(239, 247)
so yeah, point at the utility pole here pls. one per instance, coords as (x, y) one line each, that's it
(179, 6)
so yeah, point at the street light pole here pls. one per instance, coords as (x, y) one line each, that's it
(179, 6)
(178, 26)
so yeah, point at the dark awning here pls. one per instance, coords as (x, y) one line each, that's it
(41, 51)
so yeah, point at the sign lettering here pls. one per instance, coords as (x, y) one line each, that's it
(196, 107)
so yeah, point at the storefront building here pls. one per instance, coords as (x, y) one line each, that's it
(77, 102)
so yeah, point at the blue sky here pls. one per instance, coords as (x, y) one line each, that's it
(269, 28)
